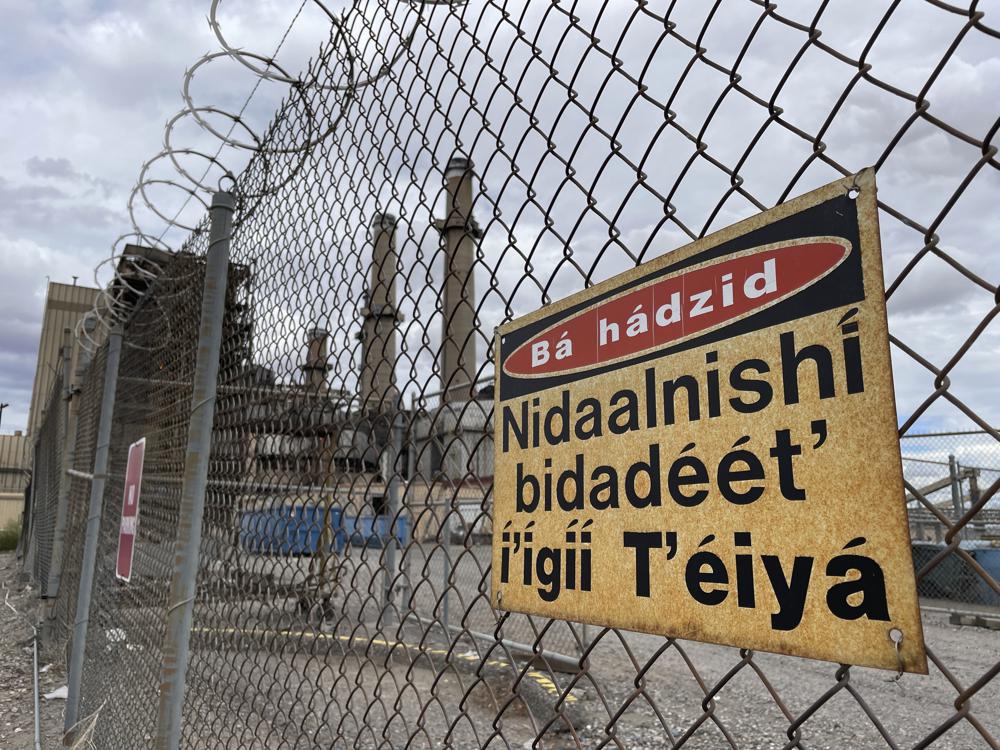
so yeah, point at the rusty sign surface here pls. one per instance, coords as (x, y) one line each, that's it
(706, 446)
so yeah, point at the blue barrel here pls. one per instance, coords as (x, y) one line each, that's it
(290, 530)
(989, 559)
(264, 531)
(373, 531)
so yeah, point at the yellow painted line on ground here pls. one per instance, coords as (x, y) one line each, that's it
(538, 678)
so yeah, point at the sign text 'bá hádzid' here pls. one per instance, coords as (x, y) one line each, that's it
(706, 446)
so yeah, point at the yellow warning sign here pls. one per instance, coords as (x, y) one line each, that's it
(706, 446)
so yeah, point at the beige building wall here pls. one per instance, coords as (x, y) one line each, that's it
(65, 304)
(14, 464)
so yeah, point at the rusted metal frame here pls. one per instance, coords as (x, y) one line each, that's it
(180, 606)
(843, 676)
(863, 705)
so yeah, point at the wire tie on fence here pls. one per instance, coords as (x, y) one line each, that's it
(896, 636)
(201, 403)
(181, 603)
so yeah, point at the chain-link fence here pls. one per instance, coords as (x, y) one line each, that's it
(41, 519)
(90, 384)
(949, 473)
(443, 168)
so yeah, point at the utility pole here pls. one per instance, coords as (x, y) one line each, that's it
(2, 407)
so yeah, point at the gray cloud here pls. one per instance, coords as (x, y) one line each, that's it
(87, 86)
(47, 167)
(62, 168)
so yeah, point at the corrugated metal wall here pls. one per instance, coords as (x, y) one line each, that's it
(14, 465)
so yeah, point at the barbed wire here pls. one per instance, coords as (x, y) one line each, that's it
(131, 272)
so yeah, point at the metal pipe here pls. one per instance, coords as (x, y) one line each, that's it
(956, 491)
(380, 319)
(424, 395)
(445, 608)
(89, 561)
(34, 649)
(38, 712)
(262, 391)
(978, 525)
(460, 235)
(411, 473)
(180, 608)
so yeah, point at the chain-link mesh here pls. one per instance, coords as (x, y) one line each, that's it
(47, 474)
(153, 400)
(449, 167)
(88, 412)
(950, 472)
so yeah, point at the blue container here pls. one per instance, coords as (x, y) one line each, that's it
(953, 578)
(373, 531)
(262, 532)
(290, 530)
(989, 559)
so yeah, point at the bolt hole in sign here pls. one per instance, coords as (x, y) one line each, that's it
(130, 510)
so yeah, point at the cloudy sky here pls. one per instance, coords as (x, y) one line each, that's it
(91, 85)
(87, 87)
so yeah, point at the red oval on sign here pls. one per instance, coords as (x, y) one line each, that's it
(678, 307)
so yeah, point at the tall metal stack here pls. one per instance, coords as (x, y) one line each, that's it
(317, 363)
(452, 441)
(378, 334)
(460, 233)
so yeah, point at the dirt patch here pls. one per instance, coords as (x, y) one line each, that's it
(18, 612)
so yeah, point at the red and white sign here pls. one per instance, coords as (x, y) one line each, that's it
(669, 310)
(130, 510)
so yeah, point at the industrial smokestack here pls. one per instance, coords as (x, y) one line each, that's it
(378, 333)
(316, 367)
(460, 233)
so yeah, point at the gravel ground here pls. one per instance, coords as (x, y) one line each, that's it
(17, 720)
(323, 699)
(611, 710)
(908, 710)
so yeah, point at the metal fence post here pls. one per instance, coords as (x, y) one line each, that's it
(89, 561)
(70, 410)
(180, 608)
(446, 570)
(956, 492)
(28, 517)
